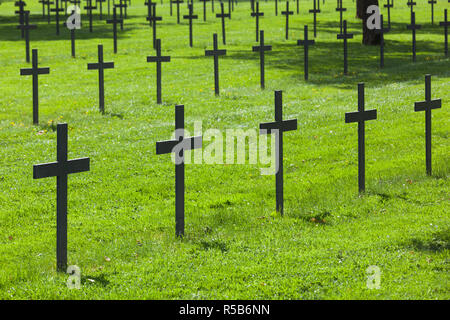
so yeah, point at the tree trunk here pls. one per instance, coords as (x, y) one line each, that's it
(369, 36)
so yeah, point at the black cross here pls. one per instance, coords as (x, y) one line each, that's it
(229, 9)
(278, 127)
(149, 11)
(89, 9)
(26, 27)
(262, 48)
(257, 14)
(341, 12)
(21, 13)
(101, 66)
(154, 19)
(158, 59)
(57, 10)
(413, 27)
(114, 22)
(177, 2)
(361, 116)
(381, 32)
(216, 53)
(35, 71)
(204, 8)
(276, 7)
(212, 6)
(432, 2)
(306, 43)
(298, 7)
(287, 13)
(222, 16)
(427, 106)
(190, 16)
(121, 5)
(411, 4)
(445, 24)
(178, 146)
(315, 11)
(101, 8)
(43, 7)
(61, 169)
(389, 5)
(345, 36)
(48, 3)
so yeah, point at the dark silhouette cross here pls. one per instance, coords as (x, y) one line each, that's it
(178, 146)
(222, 16)
(278, 127)
(306, 43)
(190, 17)
(381, 32)
(413, 27)
(411, 4)
(158, 59)
(89, 9)
(61, 169)
(216, 53)
(432, 2)
(121, 6)
(389, 5)
(21, 12)
(345, 36)
(101, 66)
(361, 116)
(427, 106)
(315, 11)
(204, 8)
(57, 10)
(48, 3)
(35, 71)
(114, 22)
(445, 24)
(341, 10)
(276, 7)
(154, 19)
(26, 27)
(262, 48)
(287, 13)
(149, 11)
(100, 2)
(257, 14)
(43, 7)
(177, 2)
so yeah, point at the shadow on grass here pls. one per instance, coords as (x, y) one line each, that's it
(439, 241)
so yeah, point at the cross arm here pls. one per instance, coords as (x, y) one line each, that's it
(261, 48)
(424, 105)
(157, 59)
(287, 125)
(345, 36)
(215, 52)
(302, 42)
(53, 169)
(360, 116)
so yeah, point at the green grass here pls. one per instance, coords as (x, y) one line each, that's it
(236, 246)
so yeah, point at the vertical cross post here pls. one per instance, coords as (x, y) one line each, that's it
(427, 106)
(158, 59)
(101, 66)
(413, 27)
(345, 36)
(35, 71)
(361, 116)
(190, 17)
(216, 53)
(262, 48)
(278, 127)
(445, 24)
(61, 169)
(257, 14)
(114, 22)
(306, 43)
(287, 13)
(223, 15)
(26, 27)
(178, 146)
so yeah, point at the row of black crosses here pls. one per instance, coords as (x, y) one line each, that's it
(63, 167)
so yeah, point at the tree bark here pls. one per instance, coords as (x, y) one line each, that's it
(369, 36)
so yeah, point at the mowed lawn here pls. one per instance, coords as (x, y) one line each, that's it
(121, 217)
